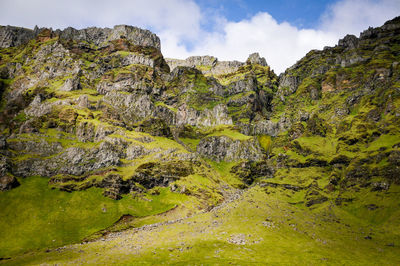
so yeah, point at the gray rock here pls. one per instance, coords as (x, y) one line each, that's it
(38, 107)
(73, 161)
(223, 148)
(37, 147)
(72, 84)
(243, 85)
(255, 58)
(83, 101)
(14, 36)
(99, 36)
(288, 84)
(206, 64)
(135, 151)
(4, 166)
(132, 108)
(137, 59)
(217, 116)
(349, 42)
(85, 131)
(102, 131)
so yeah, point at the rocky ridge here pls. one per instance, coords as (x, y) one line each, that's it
(102, 108)
(11, 36)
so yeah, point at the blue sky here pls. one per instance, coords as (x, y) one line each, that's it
(281, 31)
(302, 13)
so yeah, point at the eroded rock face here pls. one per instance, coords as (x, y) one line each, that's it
(73, 161)
(206, 64)
(71, 84)
(150, 175)
(223, 148)
(255, 58)
(189, 116)
(13, 36)
(248, 171)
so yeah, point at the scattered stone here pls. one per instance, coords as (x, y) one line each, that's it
(237, 239)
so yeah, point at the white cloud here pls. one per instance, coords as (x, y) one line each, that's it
(354, 16)
(181, 25)
(182, 17)
(281, 44)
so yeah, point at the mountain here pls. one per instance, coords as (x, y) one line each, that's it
(147, 159)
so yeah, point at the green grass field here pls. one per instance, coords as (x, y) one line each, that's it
(34, 216)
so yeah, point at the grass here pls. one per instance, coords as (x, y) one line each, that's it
(191, 143)
(34, 216)
(273, 232)
(229, 132)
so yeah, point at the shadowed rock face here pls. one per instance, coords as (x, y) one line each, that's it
(14, 36)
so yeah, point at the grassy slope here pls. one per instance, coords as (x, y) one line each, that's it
(274, 232)
(35, 216)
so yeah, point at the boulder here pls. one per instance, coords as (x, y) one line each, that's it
(8, 182)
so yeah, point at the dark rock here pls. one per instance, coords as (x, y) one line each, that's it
(374, 115)
(155, 127)
(339, 200)
(371, 207)
(285, 186)
(248, 171)
(340, 159)
(317, 200)
(114, 186)
(153, 174)
(380, 186)
(349, 42)
(14, 36)
(8, 182)
(317, 126)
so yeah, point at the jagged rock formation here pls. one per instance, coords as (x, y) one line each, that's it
(11, 36)
(208, 65)
(101, 109)
(92, 86)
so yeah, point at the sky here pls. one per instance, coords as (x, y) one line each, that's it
(281, 31)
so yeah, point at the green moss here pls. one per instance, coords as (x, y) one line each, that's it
(229, 132)
(191, 143)
(265, 142)
(62, 217)
(203, 67)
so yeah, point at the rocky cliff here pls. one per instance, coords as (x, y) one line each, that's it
(210, 65)
(102, 109)
(11, 36)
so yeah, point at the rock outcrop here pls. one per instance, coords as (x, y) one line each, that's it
(208, 65)
(14, 36)
(223, 148)
(83, 103)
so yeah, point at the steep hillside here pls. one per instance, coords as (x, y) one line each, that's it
(100, 134)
